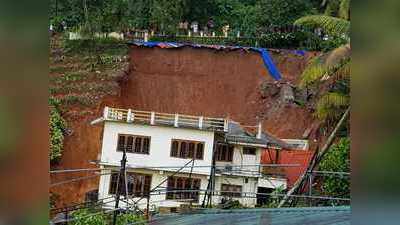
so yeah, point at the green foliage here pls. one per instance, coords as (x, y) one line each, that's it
(83, 100)
(128, 218)
(283, 12)
(88, 217)
(275, 198)
(331, 105)
(248, 16)
(332, 25)
(93, 216)
(292, 40)
(329, 73)
(337, 159)
(109, 46)
(57, 127)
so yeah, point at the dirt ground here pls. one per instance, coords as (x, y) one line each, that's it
(190, 81)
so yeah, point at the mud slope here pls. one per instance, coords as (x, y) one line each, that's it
(191, 81)
(214, 83)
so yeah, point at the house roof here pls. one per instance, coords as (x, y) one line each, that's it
(237, 134)
(266, 216)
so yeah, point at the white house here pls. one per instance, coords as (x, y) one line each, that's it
(170, 152)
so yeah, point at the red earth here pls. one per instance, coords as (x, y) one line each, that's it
(190, 81)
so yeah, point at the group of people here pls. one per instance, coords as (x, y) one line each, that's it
(194, 27)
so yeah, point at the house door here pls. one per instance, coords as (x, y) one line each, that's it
(263, 199)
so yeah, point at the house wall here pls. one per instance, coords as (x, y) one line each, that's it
(248, 200)
(243, 159)
(287, 156)
(157, 199)
(160, 146)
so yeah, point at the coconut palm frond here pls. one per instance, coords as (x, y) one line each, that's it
(343, 71)
(344, 9)
(332, 25)
(329, 104)
(313, 72)
(337, 55)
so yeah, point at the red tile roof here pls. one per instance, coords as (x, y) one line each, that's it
(301, 157)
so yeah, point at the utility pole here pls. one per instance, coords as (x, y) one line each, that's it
(191, 194)
(121, 177)
(211, 182)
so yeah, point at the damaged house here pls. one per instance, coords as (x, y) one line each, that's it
(169, 159)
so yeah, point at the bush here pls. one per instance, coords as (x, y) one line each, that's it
(285, 40)
(84, 217)
(108, 46)
(57, 127)
(337, 159)
(128, 218)
(93, 216)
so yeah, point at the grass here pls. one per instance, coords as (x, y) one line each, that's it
(107, 88)
(107, 46)
(83, 100)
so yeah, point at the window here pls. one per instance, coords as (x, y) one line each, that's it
(138, 184)
(230, 190)
(224, 152)
(92, 196)
(187, 149)
(249, 151)
(174, 184)
(134, 144)
(174, 148)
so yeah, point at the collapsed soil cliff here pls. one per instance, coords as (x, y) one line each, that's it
(214, 83)
(190, 81)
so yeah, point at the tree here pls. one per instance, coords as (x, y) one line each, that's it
(329, 73)
(337, 159)
(166, 14)
(283, 12)
(57, 127)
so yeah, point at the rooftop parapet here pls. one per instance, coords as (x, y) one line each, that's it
(165, 119)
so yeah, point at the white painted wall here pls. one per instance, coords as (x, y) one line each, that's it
(243, 159)
(160, 146)
(250, 187)
(272, 182)
(155, 200)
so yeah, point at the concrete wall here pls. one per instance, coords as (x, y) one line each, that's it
(243, 159)
(160, 146)
(251, 187)
(157, 199)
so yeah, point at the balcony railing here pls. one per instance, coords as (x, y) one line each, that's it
(165, 119)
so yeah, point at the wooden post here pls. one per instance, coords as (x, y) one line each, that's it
(148, 208)
(317, 159)
(310, 180)
(122, 173)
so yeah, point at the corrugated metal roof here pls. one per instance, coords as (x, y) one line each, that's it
(236, 134)
(282, 216)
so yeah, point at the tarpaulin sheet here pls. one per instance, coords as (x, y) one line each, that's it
(268, 62)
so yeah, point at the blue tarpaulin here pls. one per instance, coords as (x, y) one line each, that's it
(268, 62)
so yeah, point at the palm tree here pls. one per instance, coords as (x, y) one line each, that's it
(329, 73)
